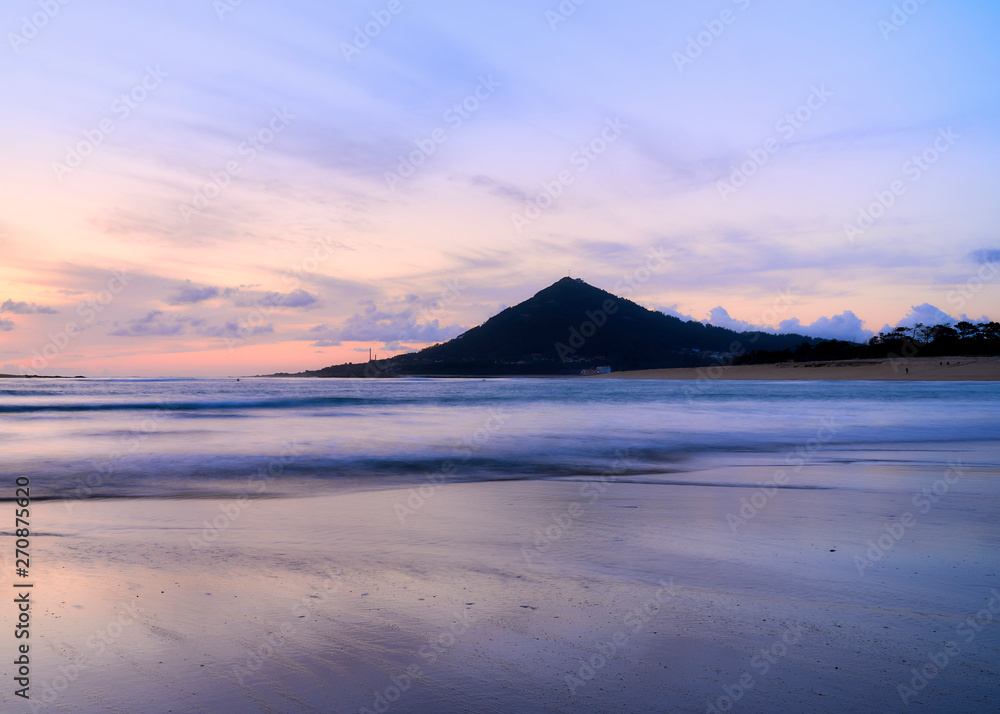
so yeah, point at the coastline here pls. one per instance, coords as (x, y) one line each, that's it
(40, 376)
(921, 369)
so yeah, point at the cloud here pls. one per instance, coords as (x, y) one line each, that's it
(6, 325)
(676, 162)
(236, 331)
(152, 325)
(985, 256)
(189, 294)
(719, 317)
(607, 250)
(498, 188)
(385, 326)
(26, 308)
(396, 346)
(295, 298)
(592, 253)
(672, 311)
(926, 314)
(845, 326)
(326, 336)
(482, 259)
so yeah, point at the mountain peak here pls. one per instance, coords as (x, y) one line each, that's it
(569, 286)
(568, 282)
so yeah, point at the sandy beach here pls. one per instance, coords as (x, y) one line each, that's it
(928, 369)
(563, 595)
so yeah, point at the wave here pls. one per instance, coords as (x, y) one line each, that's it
(190, 406)
(709, 484)
(202, 475)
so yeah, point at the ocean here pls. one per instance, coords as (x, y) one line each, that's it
(100, 438)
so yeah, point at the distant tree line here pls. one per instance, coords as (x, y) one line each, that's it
(965, 338)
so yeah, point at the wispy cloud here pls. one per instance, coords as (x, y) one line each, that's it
(26, 308)
(498, 188)
(234, 330)
(985, 256)
(153, 324)
(293, 299)
(190, 294)
(389, 326)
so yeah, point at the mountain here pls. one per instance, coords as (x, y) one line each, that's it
(570, 326)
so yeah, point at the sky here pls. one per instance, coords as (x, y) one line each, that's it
(232, 187)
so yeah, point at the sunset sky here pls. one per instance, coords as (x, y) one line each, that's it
(202, 188)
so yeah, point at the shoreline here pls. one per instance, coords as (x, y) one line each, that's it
(40, 376)
(920, 369)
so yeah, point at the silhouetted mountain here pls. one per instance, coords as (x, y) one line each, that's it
(567, 327)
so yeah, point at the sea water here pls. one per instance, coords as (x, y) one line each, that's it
(140, 437)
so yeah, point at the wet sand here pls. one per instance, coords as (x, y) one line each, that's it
(559, 595)
(927, 369)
